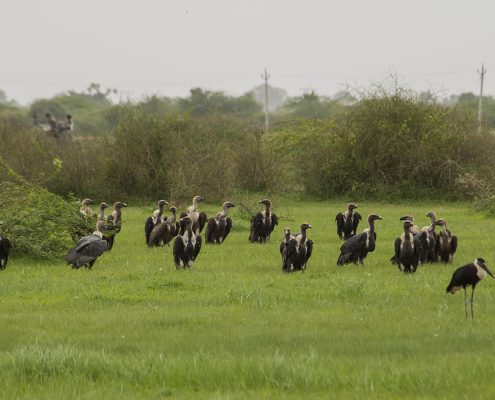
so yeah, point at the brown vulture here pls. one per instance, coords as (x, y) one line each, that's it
(263, 223)
(153, 220)
(356, 248)
(296, 250)
(187, 245)
(218, 228)
(347, 222)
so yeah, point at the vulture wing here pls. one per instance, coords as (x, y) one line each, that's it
(197, 246)
(256, 224)
(178, 249)
(228, 227)
(350, 247)
(340, 224)
(202, 221)
(355, 222)
(210, 233)
(453, 245)
(309, 249)
(395, 257)
(274, 222)
(148, 228)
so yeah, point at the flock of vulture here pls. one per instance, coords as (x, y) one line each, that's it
(414, 247)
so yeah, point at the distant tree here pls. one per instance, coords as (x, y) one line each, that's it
(204, 102)
(469, 101)
(310, 106)
(276, 96)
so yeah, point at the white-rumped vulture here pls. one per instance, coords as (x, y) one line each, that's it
(347, 222)
(88, 249)
(113, 224)
(187, 245)
(153, 220)
(407, 249)
(447, 243)
(85, 207)
(296, 250)
(5, 247)
(218, 228)
(164, 231)
(287, 237)
(356, 248)
(198, 218)
(263, 223)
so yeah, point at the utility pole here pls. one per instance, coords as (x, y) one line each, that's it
(480, 103)
(265, 76)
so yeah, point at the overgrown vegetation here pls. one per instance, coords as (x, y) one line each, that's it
(38, 223)
(386, 144)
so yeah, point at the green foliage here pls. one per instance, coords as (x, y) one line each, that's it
(39, 224)
(202, 103)
(388, 144)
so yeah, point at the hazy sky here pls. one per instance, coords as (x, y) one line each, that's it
(166, 47)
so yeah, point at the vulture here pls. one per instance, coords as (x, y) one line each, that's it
(198, 218)
(263, 223)
(407, 249)
(430, 240)
(347, 222)
(88, 248)
(218, 228)
(5, 247)
(113, 224)
(164, 231)
(187, 245)
(85, 209)
(414, 228)
(356, 248)
(296, 250)
(447, 243)
(153, 220)
(287, 237)
(468, 275)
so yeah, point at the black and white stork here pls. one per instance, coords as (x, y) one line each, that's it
(468, 275)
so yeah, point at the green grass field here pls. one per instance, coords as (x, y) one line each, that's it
(235, 327)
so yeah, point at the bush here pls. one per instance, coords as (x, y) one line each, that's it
(38, 223)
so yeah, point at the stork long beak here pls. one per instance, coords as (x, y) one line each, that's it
(488, 271)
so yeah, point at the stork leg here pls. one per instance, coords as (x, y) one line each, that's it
(472, 296)
(465, 302)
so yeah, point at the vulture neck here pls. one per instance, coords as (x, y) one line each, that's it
(303, 236)
(117, 213)
(223, 213)
(407, 234)
(189, 230)
(371, 223)
(267, 210)
(101, 216)
(433, 221)
(160, 210)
